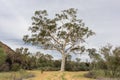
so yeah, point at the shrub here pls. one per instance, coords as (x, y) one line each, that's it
(15, 67)
(2, 56)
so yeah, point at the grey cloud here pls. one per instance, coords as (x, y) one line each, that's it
(102, 16)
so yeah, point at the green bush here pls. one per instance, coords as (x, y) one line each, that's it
(15, 67)
(2, 56)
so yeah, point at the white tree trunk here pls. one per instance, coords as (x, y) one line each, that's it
(63, 63)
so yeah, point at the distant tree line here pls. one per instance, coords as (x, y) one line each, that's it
(105, 62)
(22, 59)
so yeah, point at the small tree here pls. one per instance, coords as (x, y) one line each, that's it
(23, 57)
(63, 33)
(111, 58)
(94, 56)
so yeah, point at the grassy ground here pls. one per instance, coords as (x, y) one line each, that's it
(48, 75)
(56, 75)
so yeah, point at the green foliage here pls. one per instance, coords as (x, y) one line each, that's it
(50, 35)
(111, 60)
(2, 56)
(22, 59)
(75, 66)
(108, 62)
(15, 67)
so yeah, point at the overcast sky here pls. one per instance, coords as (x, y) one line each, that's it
(102, 16)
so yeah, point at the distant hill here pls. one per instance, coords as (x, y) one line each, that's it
(6, 48)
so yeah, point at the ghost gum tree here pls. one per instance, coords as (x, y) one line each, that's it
(63, 33)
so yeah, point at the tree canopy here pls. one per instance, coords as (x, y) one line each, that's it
(64, 33)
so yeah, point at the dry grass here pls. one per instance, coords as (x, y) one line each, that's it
(20, 75)
(56, 75)
(9, 75)
(48, 75)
